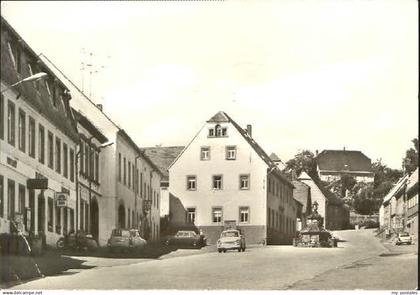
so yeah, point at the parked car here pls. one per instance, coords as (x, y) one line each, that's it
(403, 238)
(77, 241)
(125, 240)
(186, 238)
(231, 239)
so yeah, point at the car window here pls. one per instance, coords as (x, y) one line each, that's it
(230, 234)
(404, 235)
(125, 233)
(180, 234)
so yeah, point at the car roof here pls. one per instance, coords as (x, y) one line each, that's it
(230, 230)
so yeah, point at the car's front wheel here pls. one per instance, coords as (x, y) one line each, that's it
(219, 250)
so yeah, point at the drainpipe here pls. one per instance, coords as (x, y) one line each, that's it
(77, 189)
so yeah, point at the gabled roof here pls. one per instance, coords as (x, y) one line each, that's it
(163, 156)
(343, 160)
(396, 189)
(222, 117)
(330, 196)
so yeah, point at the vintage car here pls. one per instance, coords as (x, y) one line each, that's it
(403, 238)
(125, 240)
(186, 238)
(231, 239)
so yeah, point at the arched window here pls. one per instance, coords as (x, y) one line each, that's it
(218, 130)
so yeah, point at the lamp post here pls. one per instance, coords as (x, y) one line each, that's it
(32, 78)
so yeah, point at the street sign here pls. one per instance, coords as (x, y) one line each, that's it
(61, 199)
(37, 183)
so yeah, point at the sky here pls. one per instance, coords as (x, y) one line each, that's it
(305, 74)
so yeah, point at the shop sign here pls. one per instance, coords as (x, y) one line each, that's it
(61, 199)
(37, 183)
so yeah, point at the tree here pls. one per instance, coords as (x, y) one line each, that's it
(411, 160)
(302, 161)
(364, 201)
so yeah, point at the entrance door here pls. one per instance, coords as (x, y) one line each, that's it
(41, 213)
(94, 215)
(121, 216)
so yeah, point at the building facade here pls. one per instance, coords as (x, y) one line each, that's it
(90, 202)
(38, 145)
(223, 178)
(119, 204)
(412, 196)
(332, 164)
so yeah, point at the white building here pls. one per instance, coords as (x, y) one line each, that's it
(38, 143)
(224, 178)
(119, 204)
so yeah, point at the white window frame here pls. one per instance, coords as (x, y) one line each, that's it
(191, 215)
(215, 182)
(191, 182)
(213, 215)
(231, 152)
(241, 187)
(205, 153)
(246, 211)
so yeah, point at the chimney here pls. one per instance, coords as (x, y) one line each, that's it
(100, 106)
(249, 130)
(344, 148)
(316, 153)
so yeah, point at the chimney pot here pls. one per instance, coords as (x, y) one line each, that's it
(249, 130)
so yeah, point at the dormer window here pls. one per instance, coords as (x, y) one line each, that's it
(218, 131)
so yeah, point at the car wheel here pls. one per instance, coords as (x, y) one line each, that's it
(224, 250)
(243, 249)
(219, 250)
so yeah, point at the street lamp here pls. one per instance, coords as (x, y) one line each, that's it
(32, 78)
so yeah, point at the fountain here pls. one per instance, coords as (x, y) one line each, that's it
(314, 234)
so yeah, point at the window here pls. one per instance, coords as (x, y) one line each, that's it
(268, 216)
(217, 215)
(129, 174)
(11, 123)
(50, 150)
(82, 156)
(217, 182)
(57, 219)
(97, 166)
(244, 182)
(91, 162)
(141, 185)
(87, 157)
(10, 199)
(205, 153)
(218, 131)
(244, 214)
(65, 161)
(125, 170)
(119, 167)
(1, 195)
(2, 124)
(22, 130)
(57, 155)
(71, 165)
(22, 192)
(191, 215)
(71, 219)
(31, 131)
(230, 152)
(191, 183)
